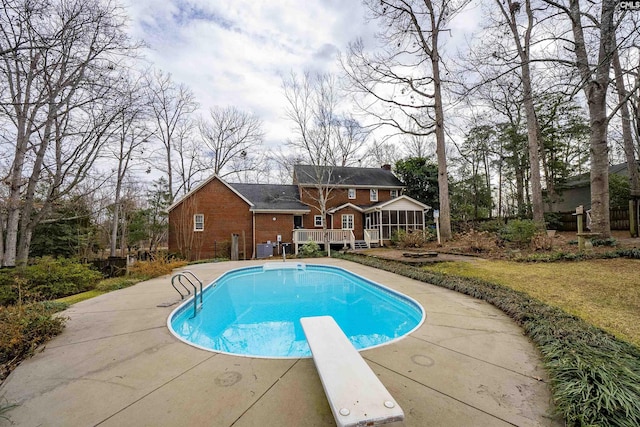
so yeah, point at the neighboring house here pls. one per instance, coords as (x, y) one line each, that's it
(576, 190)
(364, 206)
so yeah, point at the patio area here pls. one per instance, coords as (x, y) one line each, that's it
(117, 364)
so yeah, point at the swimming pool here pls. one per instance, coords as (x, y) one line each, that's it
(256, 311)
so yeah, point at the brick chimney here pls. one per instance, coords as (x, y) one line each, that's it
(386, 167)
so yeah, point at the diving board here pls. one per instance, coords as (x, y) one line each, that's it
(355, 394)
(283, 266)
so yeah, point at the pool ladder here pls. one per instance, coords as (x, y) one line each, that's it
(188, 276)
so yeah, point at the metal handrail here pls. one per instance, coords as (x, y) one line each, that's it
(178, 290)
(184, 273)
(180, 276)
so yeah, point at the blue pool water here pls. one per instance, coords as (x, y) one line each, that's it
(256, 312)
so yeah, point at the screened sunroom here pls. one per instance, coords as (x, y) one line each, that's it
(402, 213)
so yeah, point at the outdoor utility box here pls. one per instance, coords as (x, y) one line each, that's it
(264, 250)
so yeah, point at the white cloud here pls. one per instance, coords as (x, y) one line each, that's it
(234, 52)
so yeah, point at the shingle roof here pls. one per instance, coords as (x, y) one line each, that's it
(271, 196)
(345, 176)
(584, 179)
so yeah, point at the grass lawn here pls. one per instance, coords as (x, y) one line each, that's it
(72, 299)
(603, 292)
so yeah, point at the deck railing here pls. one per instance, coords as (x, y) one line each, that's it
(302, 236)
(371, 236)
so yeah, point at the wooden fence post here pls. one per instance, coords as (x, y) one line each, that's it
(234, 247)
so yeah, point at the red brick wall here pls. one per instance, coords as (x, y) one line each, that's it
(358, 221)
(268, 229)
(338, 197)
(224, 213)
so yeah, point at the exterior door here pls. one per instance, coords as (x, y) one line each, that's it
(297, 221)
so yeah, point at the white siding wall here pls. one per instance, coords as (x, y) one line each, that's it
(402, 205)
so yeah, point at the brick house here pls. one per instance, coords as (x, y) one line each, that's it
(362, 208)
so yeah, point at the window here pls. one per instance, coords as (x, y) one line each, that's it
(352, 193)
(393, 221)
(394, 194)
(198, 222)
(317, 220)
(373, 194)
(347, 222)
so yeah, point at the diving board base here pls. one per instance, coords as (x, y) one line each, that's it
(355, 394)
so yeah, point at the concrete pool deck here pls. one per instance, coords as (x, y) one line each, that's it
(117, 364)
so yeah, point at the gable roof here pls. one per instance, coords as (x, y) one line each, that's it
(342, 176)
(271, 197)
(404, 197)
(584, 179)
(343, 206)
(202, 184)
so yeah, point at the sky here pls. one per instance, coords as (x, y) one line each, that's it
(236, 52)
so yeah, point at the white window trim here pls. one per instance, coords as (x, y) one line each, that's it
(349, 193)
(393, 193)
(195, 222)
(315, 220)
(373, 191)
(346, 216)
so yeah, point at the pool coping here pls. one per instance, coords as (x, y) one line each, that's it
(184, 305)
(116, 364)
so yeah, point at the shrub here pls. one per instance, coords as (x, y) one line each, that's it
(595, 377)
(145, 270)
(23, 328)
(519, 232)
(604, 242)
(493, 226)
(541, 242)
(553, 220)
(310, 250)
(411, 238)
(479, 241)
(54, 278)
(397, 236)
(47, 278)
(580, 256)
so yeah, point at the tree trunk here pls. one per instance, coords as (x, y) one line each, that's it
(14, 204)
(530, 112)
(520, 191)
(595, 89)
(534, 157)
(627, 137)
(500, 186)
(443, 177)
(114, 228)
(600, 221)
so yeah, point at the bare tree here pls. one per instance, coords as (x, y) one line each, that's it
(188, 166)
(384, 153)
(324, 135)
(57, 63)
(627, 135)
(321, 138)
(172, 105)
(128, 144)
(405, 77)
(523, 44)
(281, 163)
(231, 137)
(594, 72)
(418, 146)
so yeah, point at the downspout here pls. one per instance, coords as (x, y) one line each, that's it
(253, 256)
